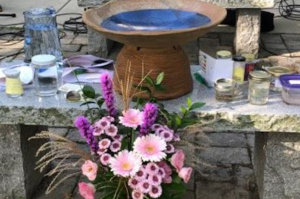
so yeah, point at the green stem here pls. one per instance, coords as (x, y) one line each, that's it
(115, 195)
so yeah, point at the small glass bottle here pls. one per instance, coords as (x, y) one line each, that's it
(276, 72)
(259, 85)
(238, 69)
(45, 74)
(13, 83)
(249, 65)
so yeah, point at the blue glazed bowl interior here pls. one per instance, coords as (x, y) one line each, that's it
(155, 20)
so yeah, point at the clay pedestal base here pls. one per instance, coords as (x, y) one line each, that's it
(173, 61)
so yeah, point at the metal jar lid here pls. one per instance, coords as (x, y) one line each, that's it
(249, 56)
(224, 54)
(259, 76)
(225, 84)
(279, 70)
(239, 58)
(43, 59)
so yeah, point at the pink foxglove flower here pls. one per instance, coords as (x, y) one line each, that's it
(137, 194)
(89, 169)
(144, 186)
(141, 174)
(161, 172)
(101, 151)
(152, 168)
(125, 164)
(155, 179)
(133, 183)
(167, 179)
(155, 192)
(185, 173)
(118, 137)
(87, 190)
(150, 148)
(115, 146)
(131, 118)
(104, 159)
(111, 131)
(103, 123)
(177, 160)
(104, 143)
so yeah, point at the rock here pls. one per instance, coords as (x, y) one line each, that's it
(228, 140)
(75, 136)
(216, 155)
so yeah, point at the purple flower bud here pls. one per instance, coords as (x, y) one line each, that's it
(150, 115)
(108, 94)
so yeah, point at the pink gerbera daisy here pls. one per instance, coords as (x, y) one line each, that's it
(155, 191)
(144, 186)
(131, 118)
(155, 179)
(125, 164)
(104, 159)
(152, 168)
(166, 135)
(115, 146)
(141, 174)
(150, 148)
(170, 148)
(111, 131)
(137, 194)
(133, 183)
(104, 143)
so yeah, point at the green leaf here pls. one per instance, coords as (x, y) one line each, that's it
(89, 91)
(197, 105)
(149, 81)
(100, 102)
(178, 120)
(189, 102)
(183, 109)
(87, 102)
(160, 88)
(160, 78)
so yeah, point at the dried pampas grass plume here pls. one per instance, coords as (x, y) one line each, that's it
(67, 153)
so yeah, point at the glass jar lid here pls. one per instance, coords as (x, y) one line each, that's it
(239, 58)
(224, 54)
(249, 56)
(225, 84)
(259, 76)
(43, 59)
(279, 70)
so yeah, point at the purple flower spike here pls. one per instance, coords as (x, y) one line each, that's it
(108, 94)
(86, 131)
(150, 115)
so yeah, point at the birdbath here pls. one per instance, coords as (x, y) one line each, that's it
(153, 32)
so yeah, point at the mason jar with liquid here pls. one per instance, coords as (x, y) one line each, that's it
(238, 69)
(259, 85)
(45, 74)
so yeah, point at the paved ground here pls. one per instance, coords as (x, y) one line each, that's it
(230, 153)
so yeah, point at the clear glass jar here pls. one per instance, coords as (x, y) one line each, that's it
(259, 85)
(276, 72)
(45, 75)
(238, 69)
(13, 84)
(224, 89)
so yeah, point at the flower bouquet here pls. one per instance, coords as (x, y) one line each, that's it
(133, 152)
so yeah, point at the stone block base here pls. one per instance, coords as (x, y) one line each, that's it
(18, 178)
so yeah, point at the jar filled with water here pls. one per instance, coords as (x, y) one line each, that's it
(45, 75)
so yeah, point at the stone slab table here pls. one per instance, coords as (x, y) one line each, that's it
(277, 127)
(247, 34)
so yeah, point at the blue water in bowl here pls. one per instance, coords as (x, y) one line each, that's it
(155, 20)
